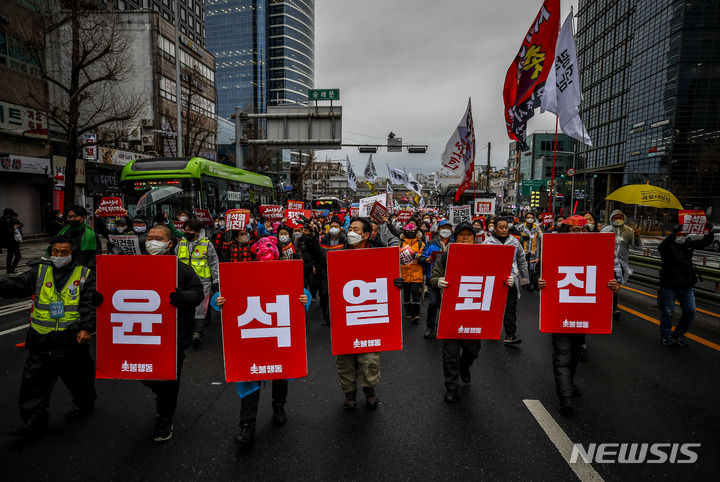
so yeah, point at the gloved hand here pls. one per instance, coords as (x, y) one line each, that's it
(442, 283)
(160, 217)
(399, 282)
(510, 281)
(176, 298)
(97, 299)
(215, 287)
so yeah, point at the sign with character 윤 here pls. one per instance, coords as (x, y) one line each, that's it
(136, 324)
(263, 322)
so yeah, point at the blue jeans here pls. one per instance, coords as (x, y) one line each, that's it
(667, 297)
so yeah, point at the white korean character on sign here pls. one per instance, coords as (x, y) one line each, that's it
(370, 313)
(473, 294)
(254, 311)
(571, 279)
(143, 301)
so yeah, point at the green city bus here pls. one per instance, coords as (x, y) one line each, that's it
(205, 185)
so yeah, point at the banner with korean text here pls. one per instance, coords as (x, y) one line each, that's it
(294, 219)
(236, 219)
(263, 321)
(365, 305)
(136, 324)
(473, 304)
(271, 212)
(577, 270)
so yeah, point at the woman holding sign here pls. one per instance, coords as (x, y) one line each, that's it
(567, 346)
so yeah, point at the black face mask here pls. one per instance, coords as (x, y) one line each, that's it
(190, 236)
(75, 223)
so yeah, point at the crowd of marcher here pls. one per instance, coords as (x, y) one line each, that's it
(65, 298)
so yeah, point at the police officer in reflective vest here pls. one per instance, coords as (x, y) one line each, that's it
(201, 255)
(63, 318)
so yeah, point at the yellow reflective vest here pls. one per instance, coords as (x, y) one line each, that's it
(199, 258)
(46, 292)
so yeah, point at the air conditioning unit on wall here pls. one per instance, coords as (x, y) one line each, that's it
(146, 122)
(148, 140)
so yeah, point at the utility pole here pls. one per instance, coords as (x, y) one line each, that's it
(178, 89)
(487, 188)
(238, 136)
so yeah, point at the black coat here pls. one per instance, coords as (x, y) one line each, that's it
(677, 269)
(192, 290)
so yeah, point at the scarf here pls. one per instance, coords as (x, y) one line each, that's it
(88, 242)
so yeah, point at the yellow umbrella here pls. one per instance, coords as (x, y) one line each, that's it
(645, 195)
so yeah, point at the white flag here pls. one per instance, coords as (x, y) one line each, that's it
(388, 187)
(562, 88)
(370, 172)
(352, 180)
(397, 176)
(459, 151)
(436, 181)
(414, 185)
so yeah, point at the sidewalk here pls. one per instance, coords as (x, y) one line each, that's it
(29, 250)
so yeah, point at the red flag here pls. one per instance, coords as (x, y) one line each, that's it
(365, 307)
(576, 298)
(263, 323)
(473, 304)
(466, 182)
(526, 76)
(136, 324)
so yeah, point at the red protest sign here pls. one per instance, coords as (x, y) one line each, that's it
(485, 206)
(263, 321)
(473, 304)
(480, 238)
(576, 298)
(365, 307)
(179, 225)
(293, 217)
(271, 212)
(404, 216)
(204, 216)
(547, 218)
(110, 207)
(354, 212)
(136, 324)
(288, 250)
(236, 219)
(693, 222)
(296, 205)
(378, 212)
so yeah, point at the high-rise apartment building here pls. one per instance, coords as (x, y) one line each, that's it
(650, 73)
(265, 51)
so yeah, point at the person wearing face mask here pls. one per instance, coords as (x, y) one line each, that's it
(677, 279)
(412, 273)
(427, 260)
(531, 237)
(86, 242)
(55, 223)
(188, 294)
(62, 321)
(363, 368)
(501, 235)
(625, 237)
(237, 248)
(200, 254)
(335, 235)
(384, 235)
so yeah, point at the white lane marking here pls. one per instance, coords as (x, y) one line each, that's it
(557, 435)
(12, 330)
(15, 307)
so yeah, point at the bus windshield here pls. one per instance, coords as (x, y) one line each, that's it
(134, 190)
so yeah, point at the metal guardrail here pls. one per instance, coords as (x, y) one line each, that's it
(651, 262)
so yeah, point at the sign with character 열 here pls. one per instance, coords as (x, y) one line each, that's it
(693, 222)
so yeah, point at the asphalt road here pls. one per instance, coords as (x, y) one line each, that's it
(634, 390)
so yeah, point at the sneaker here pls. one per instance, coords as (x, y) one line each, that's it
(76, 413)
(451, 396)
(680, 339)
(429, 334)
(512, 340)
(667, 340)
(371, 398)
(164, 430)
(351, 400)
(197, 339)
(617, 314)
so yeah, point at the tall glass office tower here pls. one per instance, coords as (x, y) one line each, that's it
(264, 50)
(650, 73)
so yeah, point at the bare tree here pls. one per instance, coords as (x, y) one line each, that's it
(84, 56)
(199, 129)
(299, 173)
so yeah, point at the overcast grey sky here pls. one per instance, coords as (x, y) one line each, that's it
(409, 66)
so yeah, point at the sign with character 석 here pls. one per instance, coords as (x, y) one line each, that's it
(136, 324)
(693, 222)
(473, 304)
(236, 219)
(263, 321)
(576, 298)
(365, 306)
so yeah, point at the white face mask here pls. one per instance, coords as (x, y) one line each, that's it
(60, 261)
(284, 239)
(242, 239)
(492, 228)
(510, 225)
(334, 231)
(353, 238)
(139, 229)
(590, 226)
(680, 239)
(183, 218)
(530, 222)
(121, 229)
(156, 247)
(297, 234)
(618, 222)
(445, 233)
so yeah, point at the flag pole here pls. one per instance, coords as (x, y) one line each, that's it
(552, 176)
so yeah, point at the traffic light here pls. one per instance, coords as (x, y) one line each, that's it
(535, 199)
